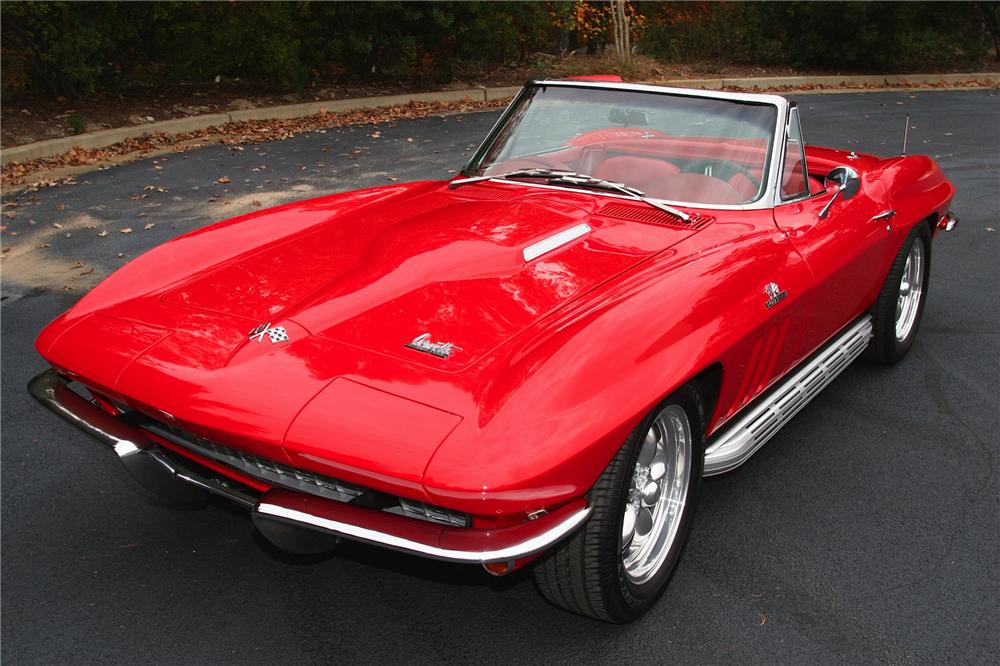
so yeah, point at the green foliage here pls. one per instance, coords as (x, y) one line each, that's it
(878, 36)
(78, 48)
(75, 123)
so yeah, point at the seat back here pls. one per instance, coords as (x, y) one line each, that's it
(645, 173)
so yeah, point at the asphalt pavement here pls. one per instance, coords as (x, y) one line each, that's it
(867, 530)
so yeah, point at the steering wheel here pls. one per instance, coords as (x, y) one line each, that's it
(754, 180)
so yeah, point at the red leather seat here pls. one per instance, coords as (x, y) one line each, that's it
(697, 188)
(645, 173)
(748, 190)
(744, 186)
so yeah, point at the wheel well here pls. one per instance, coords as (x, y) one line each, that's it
(931, 221)
(708, 383)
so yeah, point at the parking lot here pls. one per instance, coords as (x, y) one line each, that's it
(867, 530)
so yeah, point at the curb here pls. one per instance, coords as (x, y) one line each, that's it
(50, 147)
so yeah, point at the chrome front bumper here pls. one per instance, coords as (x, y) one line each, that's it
(281, 515)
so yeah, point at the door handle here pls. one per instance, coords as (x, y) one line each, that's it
(885, 216)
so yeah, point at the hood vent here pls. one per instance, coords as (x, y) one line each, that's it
(655, 216)
(486, 193)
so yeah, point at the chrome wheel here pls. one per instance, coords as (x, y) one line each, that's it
(911, 287)
(656, 494)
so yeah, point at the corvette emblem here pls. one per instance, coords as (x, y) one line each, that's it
(774, 294)
(275, 333)
(425, 344)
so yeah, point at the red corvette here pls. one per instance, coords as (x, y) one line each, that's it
(627, 288)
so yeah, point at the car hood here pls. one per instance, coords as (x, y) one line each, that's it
(447, 266)
(350, 286)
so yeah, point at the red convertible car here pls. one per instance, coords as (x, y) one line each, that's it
(627, 288)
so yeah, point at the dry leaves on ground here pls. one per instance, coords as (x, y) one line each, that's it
(236, 135)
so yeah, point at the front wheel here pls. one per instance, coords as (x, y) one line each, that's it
(900, 303)
(618, 564)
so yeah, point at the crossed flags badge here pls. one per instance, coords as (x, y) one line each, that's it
(275, 333)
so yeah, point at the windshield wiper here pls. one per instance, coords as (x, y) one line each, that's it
(637, 194)
(519, 173)
(578, 179)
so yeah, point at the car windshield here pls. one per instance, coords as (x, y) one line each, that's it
(672, 147)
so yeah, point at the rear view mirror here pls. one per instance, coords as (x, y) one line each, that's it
(627, 117)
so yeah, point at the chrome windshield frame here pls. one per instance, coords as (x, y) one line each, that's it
(766, 200)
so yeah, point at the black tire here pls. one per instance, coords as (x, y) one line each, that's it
(585, 574)
(885, 347)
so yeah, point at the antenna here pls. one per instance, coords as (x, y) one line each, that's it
(906, 131)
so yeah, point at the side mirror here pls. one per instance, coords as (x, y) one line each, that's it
(847, 182)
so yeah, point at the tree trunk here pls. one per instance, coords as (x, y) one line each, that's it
(620, 27)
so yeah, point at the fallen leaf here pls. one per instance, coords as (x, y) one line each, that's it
(376, 134)
(57, 225)
(43, 245)
(392, 178)
(763, 619)
(102, 233)
(148, 226)
(158, 167)
(256, 203)
(223, 180)
(127, 230)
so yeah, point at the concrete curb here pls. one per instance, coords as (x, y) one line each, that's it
(50, 147)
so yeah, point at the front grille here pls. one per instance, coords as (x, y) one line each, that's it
(305, 481)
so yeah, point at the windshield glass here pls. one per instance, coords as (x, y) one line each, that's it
(677, 148)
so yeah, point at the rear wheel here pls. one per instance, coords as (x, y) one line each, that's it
(900, 303)
(619, 563)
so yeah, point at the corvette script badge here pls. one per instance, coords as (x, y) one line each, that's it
(774, 294)
(425, 344)
(275, 333)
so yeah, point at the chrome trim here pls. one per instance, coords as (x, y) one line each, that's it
(780, 199)
(531, 546)
(759, 98)
(155, 469)
(740, 441)
(150, 466)
(555, 241)
(887, 216)
(948, 222)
